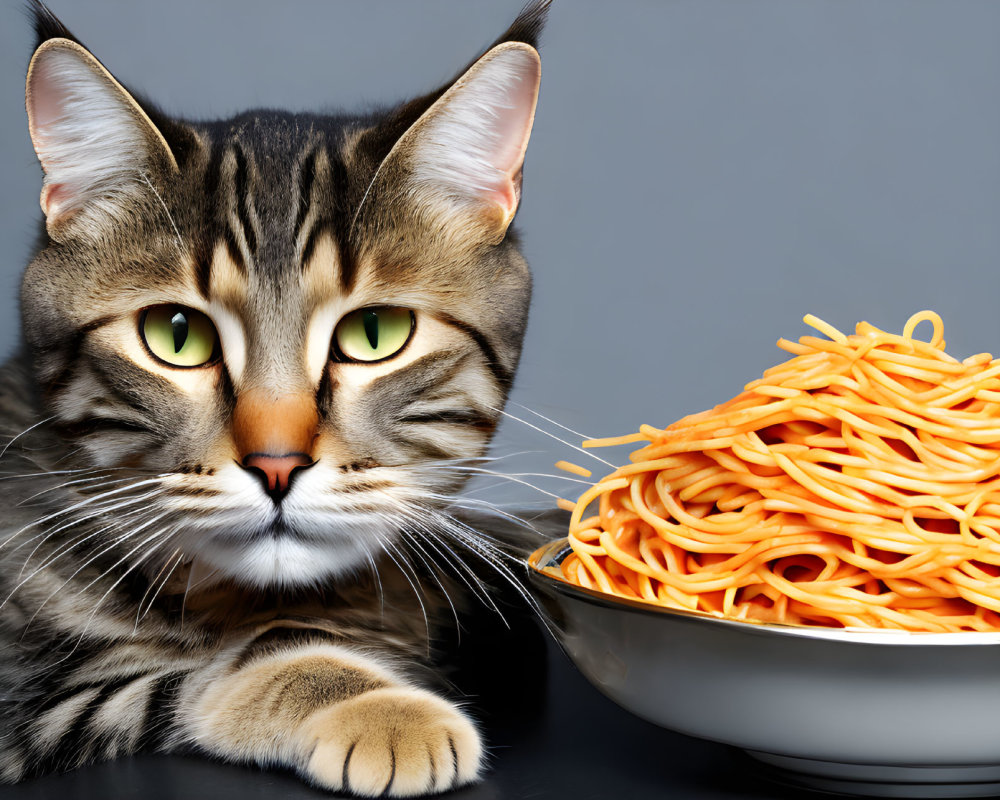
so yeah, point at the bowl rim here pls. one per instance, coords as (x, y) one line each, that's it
(551, 553)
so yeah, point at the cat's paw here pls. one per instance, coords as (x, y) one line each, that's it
(396, 741)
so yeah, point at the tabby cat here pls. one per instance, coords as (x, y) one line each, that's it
(259, 355)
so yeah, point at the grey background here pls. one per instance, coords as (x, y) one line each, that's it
(702, 173)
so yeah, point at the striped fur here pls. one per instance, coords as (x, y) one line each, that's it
(152, 594)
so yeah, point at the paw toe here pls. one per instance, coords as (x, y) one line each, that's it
(400, 742)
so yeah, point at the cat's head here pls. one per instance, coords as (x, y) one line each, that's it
(294, 324)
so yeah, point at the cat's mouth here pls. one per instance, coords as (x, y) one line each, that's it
(280, 528)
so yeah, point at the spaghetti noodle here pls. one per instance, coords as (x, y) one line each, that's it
(856, 484)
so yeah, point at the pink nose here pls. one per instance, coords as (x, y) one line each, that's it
(276, 471)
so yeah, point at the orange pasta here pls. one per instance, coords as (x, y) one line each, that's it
(575, 469)
(856, 484)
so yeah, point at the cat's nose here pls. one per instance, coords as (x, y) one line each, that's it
(276, 472)
(274, 437)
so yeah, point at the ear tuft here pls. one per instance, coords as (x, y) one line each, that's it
(46, 24)
(528, 25)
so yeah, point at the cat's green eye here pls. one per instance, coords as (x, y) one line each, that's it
(373, 334)
(180, 336)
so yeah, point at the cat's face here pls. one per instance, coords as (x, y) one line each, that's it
(290, 325)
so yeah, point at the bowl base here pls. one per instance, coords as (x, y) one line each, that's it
(874, 780)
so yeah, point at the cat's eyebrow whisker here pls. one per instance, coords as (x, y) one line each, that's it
(551, 435)
(177, 233)
(364, 197)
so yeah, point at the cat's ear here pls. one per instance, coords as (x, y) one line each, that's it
(95, 143)
(470, 144)
(462, 158)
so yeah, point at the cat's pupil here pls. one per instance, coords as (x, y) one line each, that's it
(371, 328)
(179, 324)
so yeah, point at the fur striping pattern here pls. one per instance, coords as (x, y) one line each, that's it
(249, 555)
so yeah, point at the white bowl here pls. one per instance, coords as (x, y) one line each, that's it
(871, 712)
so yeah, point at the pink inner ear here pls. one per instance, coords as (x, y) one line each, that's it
(506, 196)
(512, 128)
(47, 99)
(54, 197)
(514, 123)
(473, 144)
(46, 107)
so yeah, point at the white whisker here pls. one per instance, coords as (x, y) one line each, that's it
(433, 571)
(22, 433)
(583, 436)
(551, 435)
(177, 233)
(389, 550)
(165, 533)
(76, 572)
(452, 558)
(74, 521)
(177, 557)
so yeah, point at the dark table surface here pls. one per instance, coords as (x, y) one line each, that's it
(550, 734)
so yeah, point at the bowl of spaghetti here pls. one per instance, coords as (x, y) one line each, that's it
(809, 571)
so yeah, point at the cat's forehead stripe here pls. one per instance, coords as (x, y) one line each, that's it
(237, 217)
(307, 176)
(319, 211)
(242, 198)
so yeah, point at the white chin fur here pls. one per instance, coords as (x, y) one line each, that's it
(282, 561)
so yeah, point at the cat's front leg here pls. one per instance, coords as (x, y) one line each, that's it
(340, 718)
